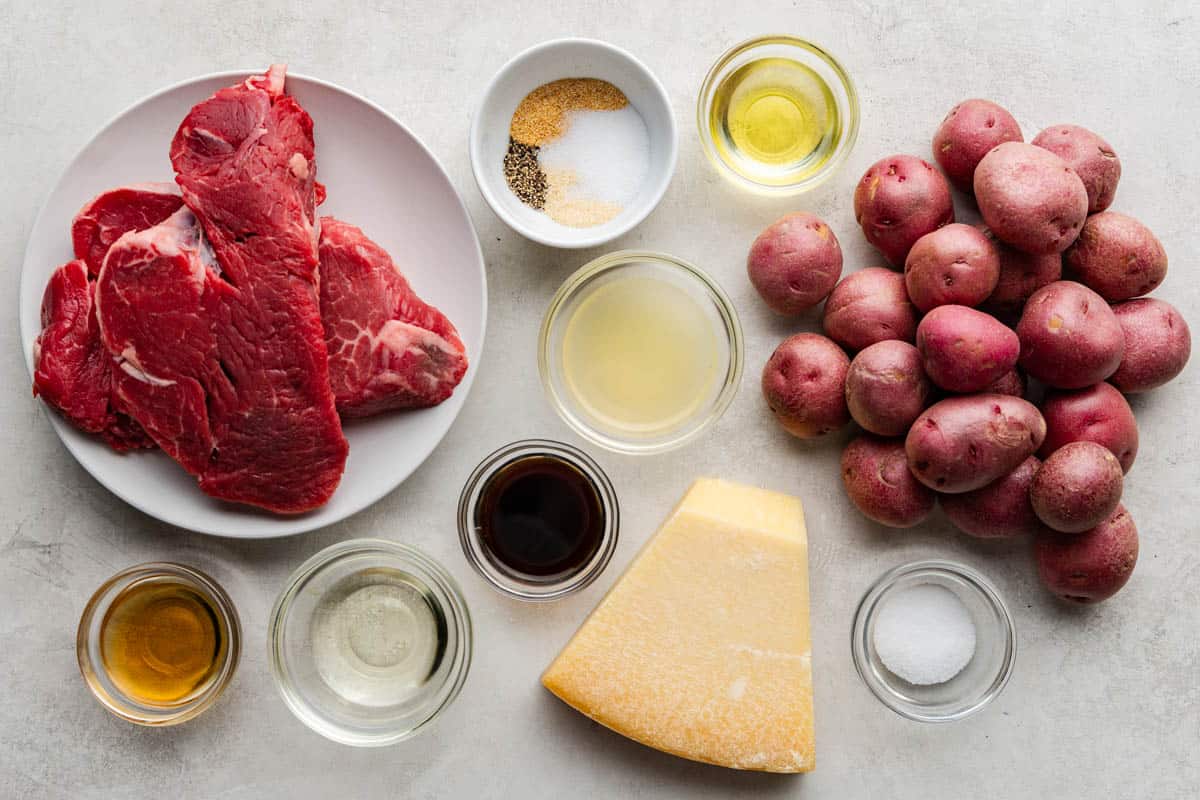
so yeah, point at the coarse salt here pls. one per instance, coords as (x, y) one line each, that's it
(924, 634)
(608, 152)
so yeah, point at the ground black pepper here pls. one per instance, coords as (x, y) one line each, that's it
(524, 174)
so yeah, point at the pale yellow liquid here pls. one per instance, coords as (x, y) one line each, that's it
(774, 120)
(640, 355)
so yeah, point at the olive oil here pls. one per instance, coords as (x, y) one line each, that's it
(640, 355)
(162, 641)
(774, 121)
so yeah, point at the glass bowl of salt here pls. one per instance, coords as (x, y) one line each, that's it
(934, 641)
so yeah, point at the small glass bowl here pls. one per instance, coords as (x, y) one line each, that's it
(613, 266)
(291, 650)
(529, 587)
(980, 681)
(91, 661)
(815, 58)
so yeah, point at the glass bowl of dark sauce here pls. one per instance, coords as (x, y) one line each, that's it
(538, 519)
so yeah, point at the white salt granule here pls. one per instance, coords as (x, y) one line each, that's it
(607, 151)
(924, 634)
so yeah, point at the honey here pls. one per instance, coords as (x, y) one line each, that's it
(162, 641)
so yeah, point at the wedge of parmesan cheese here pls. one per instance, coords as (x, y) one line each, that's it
(702, 648)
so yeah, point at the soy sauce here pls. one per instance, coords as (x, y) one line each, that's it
(540, 516)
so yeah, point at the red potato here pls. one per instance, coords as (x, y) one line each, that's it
(964, 443)
(999, 510)
(886, 387)
(1077, 487)
(1021, 274)
(1030, 198)
(1070, 338)
(964, 350)
(1117, 257)
(1157, 344)
(878, 482)
(1097, 414)
(1090, 566)
(954, 265)
(969, 131)
(900, 199)
(795, 263)
(804, 383)
(1092, 158)
(869, 306)
(1010, 383)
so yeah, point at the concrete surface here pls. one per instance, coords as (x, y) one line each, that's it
(1104, 701)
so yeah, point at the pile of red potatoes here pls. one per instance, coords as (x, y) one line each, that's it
(1044, 299)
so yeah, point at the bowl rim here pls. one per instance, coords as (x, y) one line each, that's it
(115, 701)
(860, 647)
(431, 569)
(581, 240)
(733, 331)
(704, 99)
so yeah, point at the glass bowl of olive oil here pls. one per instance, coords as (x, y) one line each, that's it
(777, 115)
(640, 352)
(158, 643)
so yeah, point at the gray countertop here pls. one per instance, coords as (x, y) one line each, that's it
(1104, 701)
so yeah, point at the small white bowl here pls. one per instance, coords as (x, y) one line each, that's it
(550, 61)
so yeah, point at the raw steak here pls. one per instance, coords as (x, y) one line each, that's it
(387, 348)
(72, 370)
(110, 214)
(227, 370)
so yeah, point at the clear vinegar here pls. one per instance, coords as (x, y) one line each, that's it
(774, 121)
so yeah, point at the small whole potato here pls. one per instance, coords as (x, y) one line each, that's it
(795, 263)
(999, 510)
(899, 200)
(1077, 487)
(1010, 383)
(969, 131)
(1070, 338)
(1097, 414)
(1021, 274)
(869, 306)
(1030, 198)
(1092, 158)
(964, 350)
(886, 387)
(955, 264)
(1090, 566)
(804, 383)
(1117, 257)
(1157, 344)
(964, 443)
(877, 480)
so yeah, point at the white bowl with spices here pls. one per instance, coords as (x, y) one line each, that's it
(574, 143)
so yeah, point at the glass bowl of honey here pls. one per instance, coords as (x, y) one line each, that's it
(158, 643)
(777, 114)
(538, 519)
(640, 352)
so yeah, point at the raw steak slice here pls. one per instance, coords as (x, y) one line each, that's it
(111, 214)
(72, 371)
(227, 370)
(388, 349)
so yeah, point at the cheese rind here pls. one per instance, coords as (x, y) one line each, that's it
(702, 648)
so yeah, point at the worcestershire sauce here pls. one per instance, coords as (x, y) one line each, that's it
(540, 516)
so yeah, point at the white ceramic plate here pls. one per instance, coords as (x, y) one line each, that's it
(381, 178)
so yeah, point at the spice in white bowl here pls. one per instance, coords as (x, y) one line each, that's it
(924, 634)
(578, 151)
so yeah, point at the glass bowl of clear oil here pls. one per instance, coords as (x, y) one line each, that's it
(640, 352)
(777, 115)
